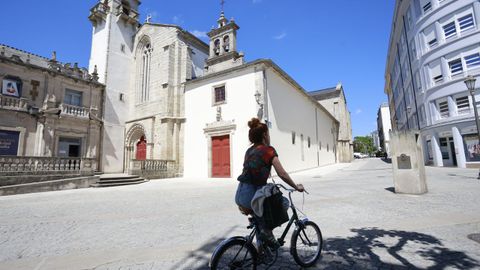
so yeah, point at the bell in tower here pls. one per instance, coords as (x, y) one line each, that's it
(223, 46)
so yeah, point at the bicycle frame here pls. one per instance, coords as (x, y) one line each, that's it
(249, 239)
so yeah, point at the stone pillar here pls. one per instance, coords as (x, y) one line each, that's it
(452, 107)
(438, 33)
(39, 145)
(437, 153)
(408, 162)
(459, 149)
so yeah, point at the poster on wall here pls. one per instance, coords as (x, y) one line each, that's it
(11, 87)
(472, 147)
(9, 142)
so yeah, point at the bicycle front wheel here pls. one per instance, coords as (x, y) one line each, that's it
(306, 244)
(235, 254)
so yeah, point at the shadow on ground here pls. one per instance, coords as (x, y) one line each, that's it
(368, 248)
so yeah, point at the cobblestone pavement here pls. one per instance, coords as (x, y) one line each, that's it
(176, 223)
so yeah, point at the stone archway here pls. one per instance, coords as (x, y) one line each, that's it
(135, 144)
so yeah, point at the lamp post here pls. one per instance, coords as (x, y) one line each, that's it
(470, 82)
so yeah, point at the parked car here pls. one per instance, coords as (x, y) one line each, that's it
(360, 155)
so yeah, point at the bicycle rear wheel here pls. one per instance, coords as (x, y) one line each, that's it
(306, 244)
(235, 254)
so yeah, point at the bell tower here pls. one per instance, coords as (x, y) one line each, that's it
(223, 46)
(115, 23)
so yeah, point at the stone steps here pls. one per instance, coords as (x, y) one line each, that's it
(118, 180)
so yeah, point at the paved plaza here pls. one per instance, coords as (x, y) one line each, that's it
(176, 223)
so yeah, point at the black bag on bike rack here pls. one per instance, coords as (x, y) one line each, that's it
(274, 214)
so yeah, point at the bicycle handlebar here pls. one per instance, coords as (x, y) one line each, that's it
(290, 190)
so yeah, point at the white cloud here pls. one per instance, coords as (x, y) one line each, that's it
(358, 111)
(281, 36)
(256, 1)
(199, 34)
(177, 19)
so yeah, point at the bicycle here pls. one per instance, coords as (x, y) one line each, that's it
(238, 252)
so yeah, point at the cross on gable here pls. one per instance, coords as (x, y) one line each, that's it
(34, 91)
(222, 3)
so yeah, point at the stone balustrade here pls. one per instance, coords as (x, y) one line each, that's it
(13, 165)
(75, 111)
(13, 103)
(153, 168)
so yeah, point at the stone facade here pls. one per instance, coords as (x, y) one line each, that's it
(333, 99)
(145, 68)
(57, 112)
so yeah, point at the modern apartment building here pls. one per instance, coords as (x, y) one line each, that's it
(384, 127)
(434, 45)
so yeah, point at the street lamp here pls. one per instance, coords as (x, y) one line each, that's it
(470, 82)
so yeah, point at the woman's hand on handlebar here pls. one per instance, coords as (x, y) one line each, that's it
(300, 188)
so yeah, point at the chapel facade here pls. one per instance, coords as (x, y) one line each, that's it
(170, 97)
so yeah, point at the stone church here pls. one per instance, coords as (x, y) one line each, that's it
(172, 98)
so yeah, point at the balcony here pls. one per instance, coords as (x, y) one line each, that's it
(13, 103)
(75, 111)
(98, 13)
(127, 14)
(13, 165)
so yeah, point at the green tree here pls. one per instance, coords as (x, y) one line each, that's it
(364, 144)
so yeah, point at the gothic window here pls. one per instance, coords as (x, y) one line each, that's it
(146, 59)
(143, 60)
(216, 47)
(226, 43)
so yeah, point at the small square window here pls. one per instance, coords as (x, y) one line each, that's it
(308, 142)
(121, 97)
(219, 94)
(293, 137)
(122, 48)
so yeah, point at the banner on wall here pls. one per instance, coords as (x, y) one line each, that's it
(11, 88)
(472, 147)
(9, 142)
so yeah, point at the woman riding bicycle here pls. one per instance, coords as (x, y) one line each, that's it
(258, 162)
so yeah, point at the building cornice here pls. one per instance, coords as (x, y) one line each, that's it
(50, 71)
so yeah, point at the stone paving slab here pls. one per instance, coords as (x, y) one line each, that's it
(176, 223)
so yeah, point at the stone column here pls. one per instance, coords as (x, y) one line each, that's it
(39, 145)
(437, 153)
(459, 149)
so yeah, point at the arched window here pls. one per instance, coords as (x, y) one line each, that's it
(143, 62)
(216, 47)
(146, 59)
(226, 43)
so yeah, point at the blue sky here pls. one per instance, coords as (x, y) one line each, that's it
(318, 42)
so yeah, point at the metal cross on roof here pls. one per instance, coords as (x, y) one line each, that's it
(222, 3)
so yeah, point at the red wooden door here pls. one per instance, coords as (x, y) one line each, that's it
(221, 156)
(141, 149)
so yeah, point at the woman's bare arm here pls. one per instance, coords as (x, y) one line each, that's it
(284, 175)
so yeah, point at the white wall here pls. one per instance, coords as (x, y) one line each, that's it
(291, 111)
(240, 106)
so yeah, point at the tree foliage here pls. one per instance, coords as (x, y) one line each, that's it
(364, 144)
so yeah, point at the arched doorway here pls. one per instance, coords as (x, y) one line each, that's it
(136, 145)
(141, 153)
